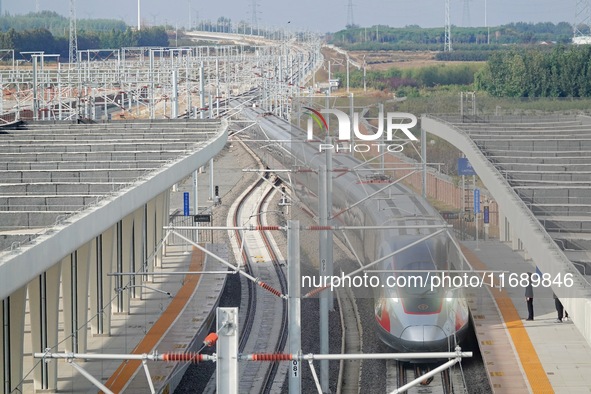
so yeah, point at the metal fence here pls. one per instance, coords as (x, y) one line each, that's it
(203, 235)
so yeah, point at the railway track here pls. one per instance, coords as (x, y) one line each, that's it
(283, 333)
(399, 373)
(349, 377)
(349, 371)
(262, 330)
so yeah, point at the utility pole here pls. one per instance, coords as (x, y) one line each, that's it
(486, 22)
(424, 160)
(227, 347)
(447, 46)
(350, 19)
(323, 273)
(73, 50)
(190, 16)
(139, 16)
(364, 75)
(294, 289)
(254, 23)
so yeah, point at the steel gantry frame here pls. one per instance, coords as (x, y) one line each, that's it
(156, 82)
(227, 330)
(140, 78)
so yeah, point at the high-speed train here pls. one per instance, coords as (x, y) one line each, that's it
(409, 318)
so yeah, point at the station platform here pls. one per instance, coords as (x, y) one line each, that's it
(157, 321)
(539, 356)
(183, 326)
(166, 323)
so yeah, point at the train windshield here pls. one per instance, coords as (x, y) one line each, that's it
(417, 278)
(418, 295)
(417, 284)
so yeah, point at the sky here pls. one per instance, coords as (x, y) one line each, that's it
(313, 15)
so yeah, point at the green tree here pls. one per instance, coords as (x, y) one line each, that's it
(561, 72)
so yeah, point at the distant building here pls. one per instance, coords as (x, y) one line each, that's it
(331, 85)
(582, 40)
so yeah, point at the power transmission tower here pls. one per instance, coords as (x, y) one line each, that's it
(466, 14)
(190, 15)
(139, 15)
(37, 8)
(254, 22)
(73, 35)
(350, 21)
(582, 23)
(447, 46)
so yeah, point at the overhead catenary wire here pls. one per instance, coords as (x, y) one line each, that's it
(257, 281)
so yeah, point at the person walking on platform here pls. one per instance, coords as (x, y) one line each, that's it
(562, 314)
(529, 298)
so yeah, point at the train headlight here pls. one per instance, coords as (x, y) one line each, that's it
(448, 296)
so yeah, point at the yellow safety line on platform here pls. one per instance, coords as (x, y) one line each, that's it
(538, 380)
(127, 369)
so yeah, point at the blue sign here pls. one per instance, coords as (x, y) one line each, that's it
(186, 203)
(476, 200)
(486, 215)
(464, 167)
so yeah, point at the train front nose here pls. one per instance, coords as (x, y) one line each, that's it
(424, 337)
